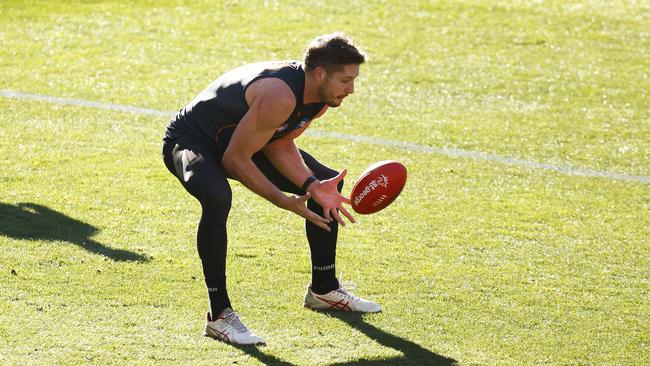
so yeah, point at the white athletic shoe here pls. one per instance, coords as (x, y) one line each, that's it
(340, 299)
(228, 328)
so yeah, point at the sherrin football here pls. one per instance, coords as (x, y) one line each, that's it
(378, 186)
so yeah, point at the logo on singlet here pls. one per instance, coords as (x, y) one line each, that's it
(282, 128)
(303, 122)
(298, 125)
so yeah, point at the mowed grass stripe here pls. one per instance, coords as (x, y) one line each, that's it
(456, 153)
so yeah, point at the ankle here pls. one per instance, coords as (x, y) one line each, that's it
(323, 289)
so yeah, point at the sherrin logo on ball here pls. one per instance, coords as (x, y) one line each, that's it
(378, 186)
(381, 181)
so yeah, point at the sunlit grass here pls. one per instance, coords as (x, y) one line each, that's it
(476, 263)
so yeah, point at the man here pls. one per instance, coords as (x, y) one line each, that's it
(243, 126)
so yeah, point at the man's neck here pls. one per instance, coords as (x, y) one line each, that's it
(310, 95)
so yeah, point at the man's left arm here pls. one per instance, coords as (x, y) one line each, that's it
(285, 156)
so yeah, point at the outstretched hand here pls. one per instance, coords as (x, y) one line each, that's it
(297, 204)
(326, 194)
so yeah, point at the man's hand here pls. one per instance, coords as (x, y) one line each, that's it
(297, 204)
(326, 194)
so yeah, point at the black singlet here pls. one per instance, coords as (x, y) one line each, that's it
(216, 111)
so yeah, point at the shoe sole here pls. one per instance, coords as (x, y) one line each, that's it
(328, 310)
(260, 344)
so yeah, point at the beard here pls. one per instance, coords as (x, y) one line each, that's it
(331, 101)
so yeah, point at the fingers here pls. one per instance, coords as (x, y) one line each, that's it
(303, 211)
(326, 214)
(329, 213)
(316, 219)
(320, 224)
(337, 217)
(341, 175)
(347, 214)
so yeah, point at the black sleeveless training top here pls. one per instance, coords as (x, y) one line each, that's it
(214, 114)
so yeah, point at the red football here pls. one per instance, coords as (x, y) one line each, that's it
(378, 186)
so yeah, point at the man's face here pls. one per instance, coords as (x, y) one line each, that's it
(338, 84)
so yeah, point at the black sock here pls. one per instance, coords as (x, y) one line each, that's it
(218, 296)
(322, 245)
(323, 279)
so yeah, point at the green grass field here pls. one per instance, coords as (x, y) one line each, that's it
(479, 262)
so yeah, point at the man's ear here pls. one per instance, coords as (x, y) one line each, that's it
(320, 73)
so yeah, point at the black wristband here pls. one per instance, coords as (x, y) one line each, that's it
(308, 181)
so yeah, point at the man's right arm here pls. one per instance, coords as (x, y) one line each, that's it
(271, 102)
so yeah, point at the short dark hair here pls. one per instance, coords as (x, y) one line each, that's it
(332, 51)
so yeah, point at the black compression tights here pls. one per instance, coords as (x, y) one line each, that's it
(199, 170)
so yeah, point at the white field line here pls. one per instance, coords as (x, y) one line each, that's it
(456, 153)
(84, 103)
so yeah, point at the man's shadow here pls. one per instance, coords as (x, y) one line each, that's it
(412, 353)
(31, 221)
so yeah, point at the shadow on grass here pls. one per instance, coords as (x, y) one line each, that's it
(412, 353)
(256, 351)
(32, 221)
